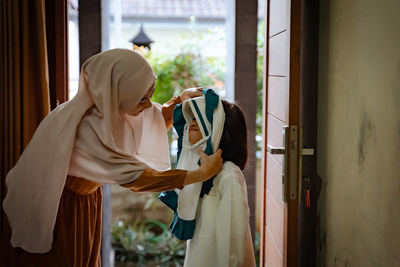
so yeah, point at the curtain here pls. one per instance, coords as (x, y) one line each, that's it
(24, 80)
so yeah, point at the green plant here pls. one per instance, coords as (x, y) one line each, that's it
(146, 241)
(257, 248)
(184, 70)
(260, 77)
(187, 68)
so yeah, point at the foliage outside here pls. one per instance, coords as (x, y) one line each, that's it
(146, 243)
(188, 68)
(150, 243)
(260, 79)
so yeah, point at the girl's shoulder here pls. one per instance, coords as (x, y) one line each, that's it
(230, 174)
(230, 168)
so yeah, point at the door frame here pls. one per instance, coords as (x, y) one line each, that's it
(57, 50)
(308, 222)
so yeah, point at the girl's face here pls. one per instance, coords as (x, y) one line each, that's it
(144, 102)
(194, 132)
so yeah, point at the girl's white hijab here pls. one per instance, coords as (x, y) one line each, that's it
(90, 136)
(189, 196)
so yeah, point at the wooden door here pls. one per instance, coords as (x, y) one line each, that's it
(279, 231)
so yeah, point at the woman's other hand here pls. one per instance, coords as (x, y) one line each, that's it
(209, 166)
(191, 92)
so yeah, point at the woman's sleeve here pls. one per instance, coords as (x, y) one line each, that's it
(168, 109)
(157, 181)
(232, 219)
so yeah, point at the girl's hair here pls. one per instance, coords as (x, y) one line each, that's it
(234, 136)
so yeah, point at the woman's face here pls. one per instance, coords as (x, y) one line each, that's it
(194, 132)
(144, 102)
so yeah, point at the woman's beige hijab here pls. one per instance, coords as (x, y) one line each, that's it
(90, 136)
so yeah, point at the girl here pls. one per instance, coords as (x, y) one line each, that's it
(214, 215)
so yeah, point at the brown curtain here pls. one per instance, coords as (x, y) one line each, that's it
(24, 79)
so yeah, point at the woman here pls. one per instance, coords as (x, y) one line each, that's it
(110, 133)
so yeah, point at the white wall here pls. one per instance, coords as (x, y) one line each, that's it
(359, 133)
(169, 38)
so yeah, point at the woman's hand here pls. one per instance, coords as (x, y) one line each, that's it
(191, 92)
(212, 164)
(209, 166)
(168, 108)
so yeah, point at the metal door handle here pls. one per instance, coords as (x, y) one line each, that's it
(276, 150)
(281, 151)
(307, 151)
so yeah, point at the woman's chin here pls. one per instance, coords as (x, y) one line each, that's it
(134, 114)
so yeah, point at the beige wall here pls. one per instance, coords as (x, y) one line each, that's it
(359, 133)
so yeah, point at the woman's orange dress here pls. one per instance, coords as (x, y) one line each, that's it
(77, 232)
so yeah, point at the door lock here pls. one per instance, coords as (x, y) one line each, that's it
(290, 142)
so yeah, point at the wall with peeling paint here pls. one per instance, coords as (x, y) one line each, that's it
(359, 133)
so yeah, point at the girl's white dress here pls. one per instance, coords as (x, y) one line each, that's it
(222, 236)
